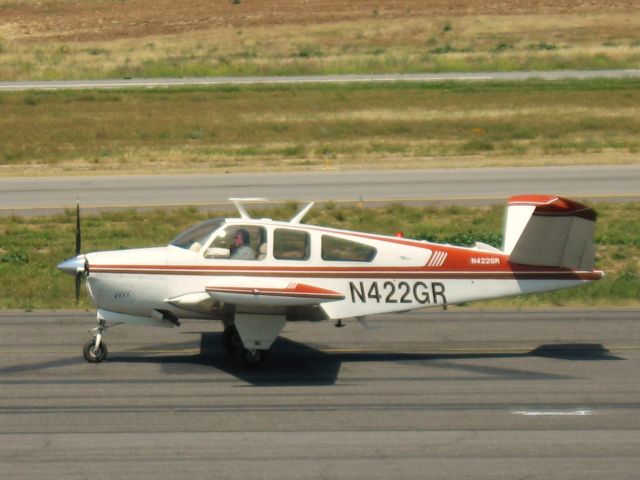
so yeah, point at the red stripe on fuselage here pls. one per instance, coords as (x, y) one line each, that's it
(515, 272)
(279, 292)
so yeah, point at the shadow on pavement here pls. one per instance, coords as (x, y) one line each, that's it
(574, 351)
(292, 363)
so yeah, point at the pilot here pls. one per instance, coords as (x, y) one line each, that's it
(241, 249)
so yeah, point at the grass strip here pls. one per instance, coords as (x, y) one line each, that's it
(240, 128)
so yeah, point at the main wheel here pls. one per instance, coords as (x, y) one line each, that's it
(251, 357)
(93, 354)
(231, 339)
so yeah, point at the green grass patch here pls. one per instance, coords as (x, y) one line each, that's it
(31, 247)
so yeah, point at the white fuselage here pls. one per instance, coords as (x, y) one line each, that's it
(403, 275)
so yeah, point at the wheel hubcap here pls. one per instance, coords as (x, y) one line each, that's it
(253, 356)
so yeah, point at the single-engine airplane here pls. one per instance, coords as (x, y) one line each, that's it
(254, 275)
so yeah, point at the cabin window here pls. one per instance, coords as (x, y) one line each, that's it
(290, 244)
(239, 242)
(336, 249)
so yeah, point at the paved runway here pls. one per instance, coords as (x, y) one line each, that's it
(249, 80)
(471, 185)
(457, 394)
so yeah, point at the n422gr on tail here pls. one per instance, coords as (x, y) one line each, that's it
(254, 275)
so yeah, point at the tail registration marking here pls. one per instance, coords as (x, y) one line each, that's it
(485, 261)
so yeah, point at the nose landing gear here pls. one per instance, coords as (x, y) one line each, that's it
(95, 350)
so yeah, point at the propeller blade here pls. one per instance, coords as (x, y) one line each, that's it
(78, 282)
(78, 232)
(78, 274)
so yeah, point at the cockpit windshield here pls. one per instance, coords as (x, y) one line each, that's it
(194, 237)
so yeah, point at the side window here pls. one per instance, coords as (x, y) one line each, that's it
(290, 244)
(339, 250)
(239, 242)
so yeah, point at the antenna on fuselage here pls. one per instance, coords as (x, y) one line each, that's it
(243, 211)
(300, 215)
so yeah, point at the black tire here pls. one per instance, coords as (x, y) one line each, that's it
(231, 341)
(251, 358)
(92, 355)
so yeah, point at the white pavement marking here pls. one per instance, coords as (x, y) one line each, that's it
(558, 413)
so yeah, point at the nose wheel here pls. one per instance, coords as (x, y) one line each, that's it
(93, 354)
(95, 350)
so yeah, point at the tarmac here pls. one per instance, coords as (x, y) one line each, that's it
(432, 394)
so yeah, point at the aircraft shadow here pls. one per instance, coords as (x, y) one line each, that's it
(574, 351)
(291, 363)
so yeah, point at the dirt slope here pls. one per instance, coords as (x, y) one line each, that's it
(112, 19)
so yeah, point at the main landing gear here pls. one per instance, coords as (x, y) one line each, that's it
(95, 350)
(251, 357)
(232, 343)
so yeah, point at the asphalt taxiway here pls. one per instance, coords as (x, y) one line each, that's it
(474, 186)
(457, 394)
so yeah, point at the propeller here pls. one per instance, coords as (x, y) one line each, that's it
(78, 249)
(76, 266)
(79, 274)
(78, 232)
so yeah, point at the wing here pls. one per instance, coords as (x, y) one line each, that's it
(277, 293)
(254, 292)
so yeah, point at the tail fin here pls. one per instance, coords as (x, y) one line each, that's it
(543, 230)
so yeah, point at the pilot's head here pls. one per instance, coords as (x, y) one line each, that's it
(241, 237)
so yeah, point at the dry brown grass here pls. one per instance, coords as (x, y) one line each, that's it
(343, 126)
(220, 130)
(133, 38)
(113, 19)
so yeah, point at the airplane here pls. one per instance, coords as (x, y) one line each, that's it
(255, 275)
